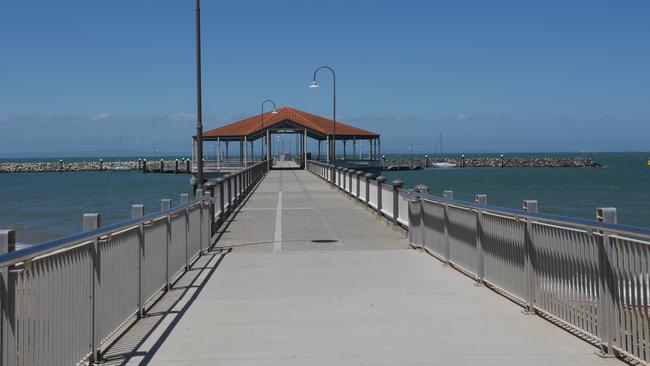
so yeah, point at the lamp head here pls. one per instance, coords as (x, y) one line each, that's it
(313, 85)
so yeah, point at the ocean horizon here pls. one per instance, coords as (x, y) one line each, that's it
(45, 206)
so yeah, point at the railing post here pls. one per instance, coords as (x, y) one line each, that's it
(330, 174)
(368, 176)
(235, 189)
(185, 199)
(479, 199)
(136, 212)
(200, 197)
(607, 319)
(350, 174)
(92, 221)
(529, 250)
(380, 181)
(209, 186)
(240, 187)
(7, 302)
(207, 199)
(359, 174)
(166, 205)
(420, 189)
(449, 195)
(397, 184)
(228, 178)
(220, 183)
(339, 172)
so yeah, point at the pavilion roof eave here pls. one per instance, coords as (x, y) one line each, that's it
(317, 136)
(286, 118)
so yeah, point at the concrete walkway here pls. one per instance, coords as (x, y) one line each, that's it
(315, 279)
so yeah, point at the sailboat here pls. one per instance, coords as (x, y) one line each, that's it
(441, 163)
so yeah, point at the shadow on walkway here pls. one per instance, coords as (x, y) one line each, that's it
(138, 342)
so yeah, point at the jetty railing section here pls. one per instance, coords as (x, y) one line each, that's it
(593, 276)
(62, 300)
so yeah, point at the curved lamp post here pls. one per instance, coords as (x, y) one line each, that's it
(314, 85)
(274, 111)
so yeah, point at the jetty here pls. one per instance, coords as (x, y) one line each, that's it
(392, 164)
(328, 265)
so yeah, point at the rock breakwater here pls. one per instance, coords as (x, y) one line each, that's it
(171, 166)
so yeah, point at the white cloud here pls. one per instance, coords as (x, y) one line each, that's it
(101, 116)
(480, 117)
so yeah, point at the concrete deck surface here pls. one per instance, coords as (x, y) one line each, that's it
(356, 296)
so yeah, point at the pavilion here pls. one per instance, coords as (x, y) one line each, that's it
(254, 137)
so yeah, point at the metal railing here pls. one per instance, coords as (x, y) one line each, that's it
(593, 276)
(62, 300)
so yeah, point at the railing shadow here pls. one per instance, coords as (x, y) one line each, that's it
(141, 339)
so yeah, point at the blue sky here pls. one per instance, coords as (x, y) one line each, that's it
(495, 76)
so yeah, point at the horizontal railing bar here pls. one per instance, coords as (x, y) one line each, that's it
(567, 220)
(41, 249)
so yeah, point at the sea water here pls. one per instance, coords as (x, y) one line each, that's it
(623, 182)
(44, 206)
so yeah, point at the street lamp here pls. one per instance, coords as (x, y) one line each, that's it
(274, 111)
(314, 85)
(199, 114)
(411, 153)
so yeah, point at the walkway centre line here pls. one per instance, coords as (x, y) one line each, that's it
(277, 236)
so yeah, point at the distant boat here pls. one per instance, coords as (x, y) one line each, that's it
(443, 162)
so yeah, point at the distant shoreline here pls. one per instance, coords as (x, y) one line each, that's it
(173, 166)
(183, 165)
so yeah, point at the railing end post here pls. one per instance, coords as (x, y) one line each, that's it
(7, 241)
(91, 221)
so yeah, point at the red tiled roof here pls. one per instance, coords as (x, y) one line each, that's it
(317, 124)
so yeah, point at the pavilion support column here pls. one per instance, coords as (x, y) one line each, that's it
(241, 152)
(374, 149)
(194, 150)
(244, 151)
(319, 150)
(329, 150)
(304, 150)
(227, 154)
(354, 148)
(378, 147)
(218, 152)
(268, 151)
(252, 151)
(345, 153)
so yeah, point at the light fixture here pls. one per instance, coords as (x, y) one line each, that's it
(313, 84)
(274, 112)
